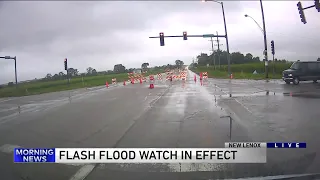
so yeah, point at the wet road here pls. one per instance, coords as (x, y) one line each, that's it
(181, 114)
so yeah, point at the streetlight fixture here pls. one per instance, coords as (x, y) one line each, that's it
(226, 32)
(246, 15)
(15, 66)
(265, 52)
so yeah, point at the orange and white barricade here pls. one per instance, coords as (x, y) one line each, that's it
(183, 75)
(205, 75)
(114, 81)
(151, 78)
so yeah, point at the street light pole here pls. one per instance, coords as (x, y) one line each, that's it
(265, 41)
(227, 41)
(15, 70)
(263, 30)
(15, 66)
(226, 32)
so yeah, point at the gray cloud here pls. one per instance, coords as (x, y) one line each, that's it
(101, 34)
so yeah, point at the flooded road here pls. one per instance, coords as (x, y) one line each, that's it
(184, 114)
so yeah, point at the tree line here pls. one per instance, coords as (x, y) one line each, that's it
(220, 58)
(118, 68)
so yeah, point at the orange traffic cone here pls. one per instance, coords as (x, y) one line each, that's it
(195, 78)
(140, 81)
(132, 81)
(124, 82)
(231, 76)
(107, 85)
(151, 86)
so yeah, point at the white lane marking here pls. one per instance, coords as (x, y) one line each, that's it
(167, 167)
(8, 148)
(83, 172)
(145, 98)
(4, 100)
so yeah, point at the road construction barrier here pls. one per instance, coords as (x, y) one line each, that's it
(159, 76)
(114, 81)
(151, 78)
(183, 75)
(205, 75)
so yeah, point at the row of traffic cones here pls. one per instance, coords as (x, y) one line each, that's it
(132, 82)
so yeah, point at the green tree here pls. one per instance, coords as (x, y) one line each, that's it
(89, 70)
(119, 68)
(94, 72)
(179, 63)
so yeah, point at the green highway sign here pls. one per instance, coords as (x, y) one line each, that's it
(207, 35)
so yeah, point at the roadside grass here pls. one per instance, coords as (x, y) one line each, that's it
(244, 71)
(40, 87)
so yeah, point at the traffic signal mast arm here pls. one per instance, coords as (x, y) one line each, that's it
(309, 7)
(204, 35)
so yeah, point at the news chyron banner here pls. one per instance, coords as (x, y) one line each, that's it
(252, 152)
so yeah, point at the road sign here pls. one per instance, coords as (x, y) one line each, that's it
(207, 35)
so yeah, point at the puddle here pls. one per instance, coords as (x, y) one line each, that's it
(311, 95)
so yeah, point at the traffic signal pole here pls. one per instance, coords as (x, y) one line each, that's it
(273, 52)
(266, 60)
(66, 68)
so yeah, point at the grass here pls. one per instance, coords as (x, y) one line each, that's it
(40, 87)
(244, 71)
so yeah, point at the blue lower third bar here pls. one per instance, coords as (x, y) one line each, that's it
(286, 145)
(34, 155)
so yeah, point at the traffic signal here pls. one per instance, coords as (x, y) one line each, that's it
(185, 37)
(65, 64)
(317, 4)
(272, 47)
(161, 39)
(302, 17)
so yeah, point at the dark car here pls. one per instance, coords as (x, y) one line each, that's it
(302, 71)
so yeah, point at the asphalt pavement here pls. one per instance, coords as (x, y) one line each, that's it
(173, 114)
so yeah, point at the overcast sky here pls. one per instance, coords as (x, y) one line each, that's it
(101, 34)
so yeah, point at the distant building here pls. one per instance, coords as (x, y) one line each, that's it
(137, 71)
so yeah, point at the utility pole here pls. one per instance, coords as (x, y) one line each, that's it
(214, 59)
(218, 44)
(266, 60)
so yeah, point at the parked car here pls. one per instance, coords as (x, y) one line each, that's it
(302, 71)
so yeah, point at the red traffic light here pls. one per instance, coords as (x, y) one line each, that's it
(161, 39)
(185, 37)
